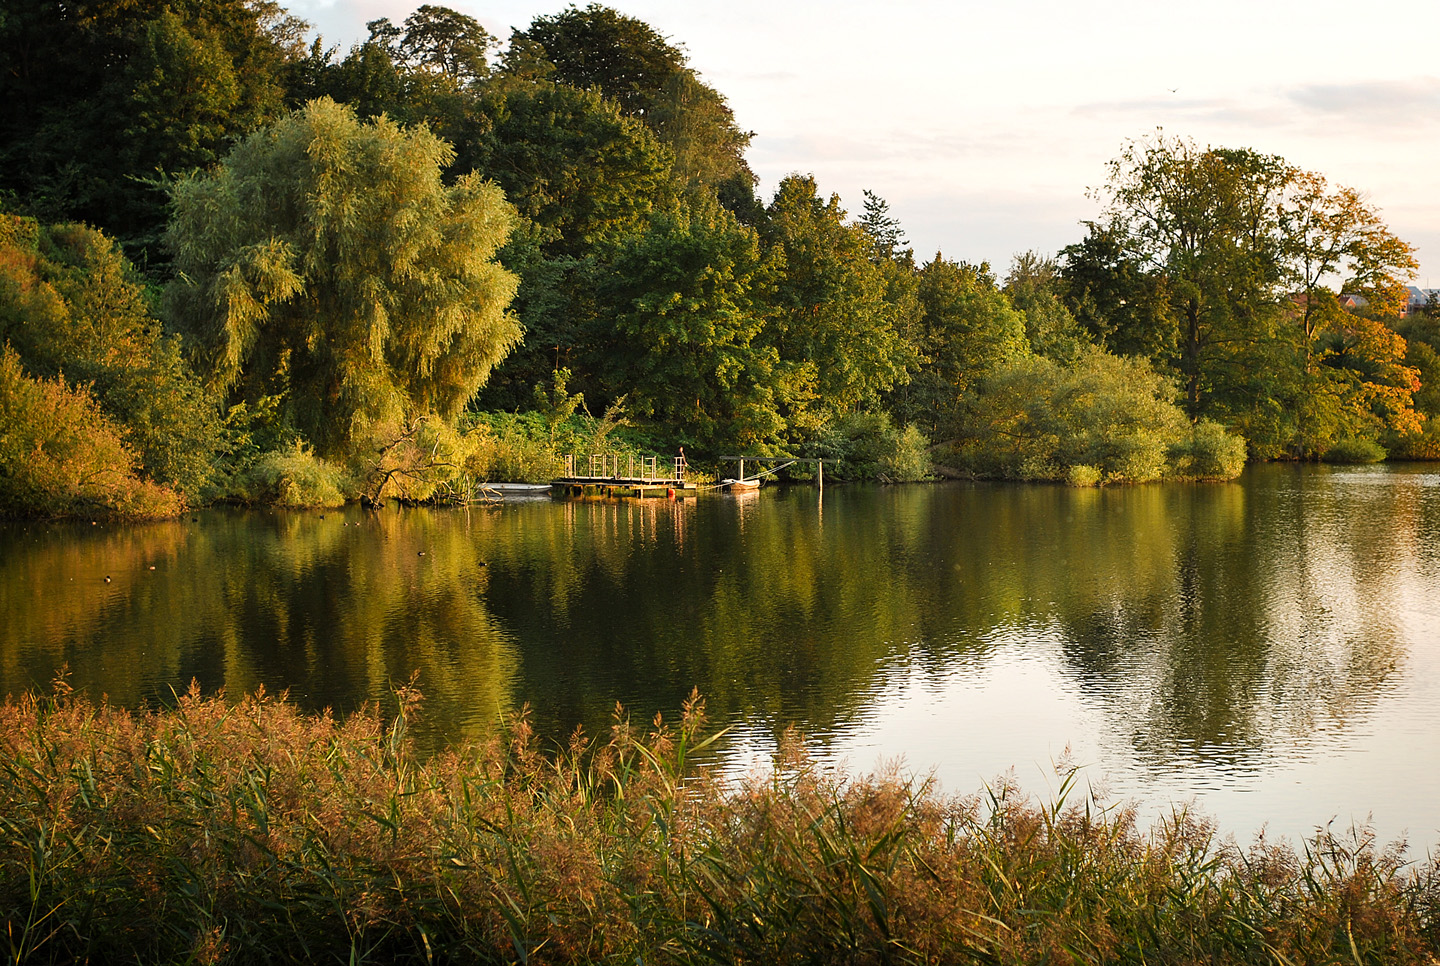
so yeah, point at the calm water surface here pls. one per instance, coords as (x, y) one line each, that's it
(1268, 650)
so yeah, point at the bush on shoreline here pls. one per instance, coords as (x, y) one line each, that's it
(1102, 419)
(61, 455)
(245, 832)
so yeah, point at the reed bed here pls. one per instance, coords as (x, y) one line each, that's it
(246, 831)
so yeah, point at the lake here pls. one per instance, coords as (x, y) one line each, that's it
(1266, 650)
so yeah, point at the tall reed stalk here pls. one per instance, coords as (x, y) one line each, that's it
(246, 831)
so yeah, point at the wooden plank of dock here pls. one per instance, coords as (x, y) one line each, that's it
(619, 488)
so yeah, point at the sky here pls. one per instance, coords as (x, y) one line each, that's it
(987, 126)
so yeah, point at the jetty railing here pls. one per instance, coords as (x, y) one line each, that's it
(627, 468)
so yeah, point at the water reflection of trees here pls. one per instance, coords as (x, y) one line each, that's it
(1208, 621)
(338, 609)
(1256, 617)
(758, 605)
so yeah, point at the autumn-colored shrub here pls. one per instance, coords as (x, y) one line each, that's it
(60, 455)
(71, 305)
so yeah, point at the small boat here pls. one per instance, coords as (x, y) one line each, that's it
(514, 491)
(739, 486)
(518, 487)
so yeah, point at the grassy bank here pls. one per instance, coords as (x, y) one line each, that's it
(249, 832)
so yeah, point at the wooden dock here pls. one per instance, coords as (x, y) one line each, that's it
(623, 489)
(611, 476)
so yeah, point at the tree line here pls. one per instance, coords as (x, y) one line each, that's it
(237, 264)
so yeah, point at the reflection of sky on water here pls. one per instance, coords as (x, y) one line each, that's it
(1339, 718)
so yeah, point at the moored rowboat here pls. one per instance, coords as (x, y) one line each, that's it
(740, 485)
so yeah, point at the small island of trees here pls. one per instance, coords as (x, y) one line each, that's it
(237, 265)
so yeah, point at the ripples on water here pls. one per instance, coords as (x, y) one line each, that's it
(1266, 649)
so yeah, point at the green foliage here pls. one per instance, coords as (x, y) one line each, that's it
(685, 304)
(104, 96)
(572, 163)
(1116, 299)
(514, 448)
(583, 177)
(1204, 221)
(437, 40)
(694, 122)
(294, 477)
(1352, 381)
(70, 303)
(550, 304)
(1035, 290)
(1421, 332)
(530, 447)
(601, 49)
(60, 455)
(1424, 445)
(1215, 262)
(325, 262)
(869, 446)
(835, 330)
(884, 229)
(967, 328)
(1210, 453)
(1421, 356)
(1349, 449)
(424, 461)
(1105, 419)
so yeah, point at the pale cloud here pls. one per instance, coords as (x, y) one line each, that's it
(991, 225)
(1411, 101)
(1258, 110)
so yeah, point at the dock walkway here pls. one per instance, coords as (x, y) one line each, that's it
(611, 475)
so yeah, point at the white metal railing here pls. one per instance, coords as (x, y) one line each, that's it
(608, 466)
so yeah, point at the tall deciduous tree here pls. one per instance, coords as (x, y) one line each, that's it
(686, 302)
(624, 59)
(1331, 235)
(968, 328)
(1206, 220)
(572, 163)
(102, 96)
(1033, 286)
(602, 49)
(693, 120)
(438, 40)
(833, 315)
(1120, 302)
(326, 261)
(1245, 248)
(582, 175)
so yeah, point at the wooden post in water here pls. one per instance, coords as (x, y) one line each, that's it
(820, 464)
(742, 467)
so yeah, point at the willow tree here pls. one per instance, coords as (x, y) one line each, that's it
(325, 263)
